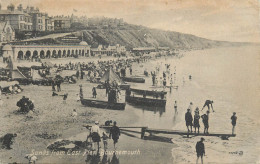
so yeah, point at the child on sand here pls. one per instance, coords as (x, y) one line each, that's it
(105, 137)
(74, 115)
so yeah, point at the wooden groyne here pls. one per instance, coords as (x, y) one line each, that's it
(152, 131)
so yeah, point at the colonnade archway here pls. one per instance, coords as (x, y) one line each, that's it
(51, 53)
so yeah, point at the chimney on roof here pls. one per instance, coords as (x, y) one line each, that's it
(31, 8)
(10, 7)
(0, 6)
(20, 7)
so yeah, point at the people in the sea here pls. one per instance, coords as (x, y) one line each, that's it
(196, 120)
(188, 119)
(205, 120)
(175, 106)
(190, 106)
(208, 103)
(233, 122)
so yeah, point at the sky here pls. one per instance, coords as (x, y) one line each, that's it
(227, 20)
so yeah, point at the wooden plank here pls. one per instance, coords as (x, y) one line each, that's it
(165, 131)
(132, 127)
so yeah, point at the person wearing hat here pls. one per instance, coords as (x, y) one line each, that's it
(115, 133)
(196, 120)
(188, 119)
(95, 133)
(200, 150)
(233, 122)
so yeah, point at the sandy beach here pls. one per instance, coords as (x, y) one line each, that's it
(229, 76)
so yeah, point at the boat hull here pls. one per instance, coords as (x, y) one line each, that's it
(148, 93)
(146, 101)
(103, 104)
(134, 79)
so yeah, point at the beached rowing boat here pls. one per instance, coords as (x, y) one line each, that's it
(103, 104)
(147, 92)
(145, 101)
(134, 79)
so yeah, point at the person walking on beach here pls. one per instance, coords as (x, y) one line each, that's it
(188, 119)
(58, 83)
(205, 120)
(175, 107)
(196, 120)
(233, 122)
(200, 150)
(105, 137)
(95, 134)
(115, 133)
(207, 103)
(94, 92)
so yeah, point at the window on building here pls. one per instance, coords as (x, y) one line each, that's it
(21, 18)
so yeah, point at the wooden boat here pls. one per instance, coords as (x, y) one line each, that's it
(134, 79)
(102, 104)
(148, 92)
(145, 101)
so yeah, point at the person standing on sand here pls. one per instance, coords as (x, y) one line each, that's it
(188, 119)
(58, 83)
(196, 120)
(95, 134)
(94, 92)
(207, 103)
(115, 133)
(205, 120)
(200, 150)
(65, 96)
(74, 115)
(233, 122)
(53, 85)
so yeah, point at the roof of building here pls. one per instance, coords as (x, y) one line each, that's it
(7, 47)
(9, 12)
(83, 43)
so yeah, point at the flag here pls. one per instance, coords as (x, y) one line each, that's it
(74, 10)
